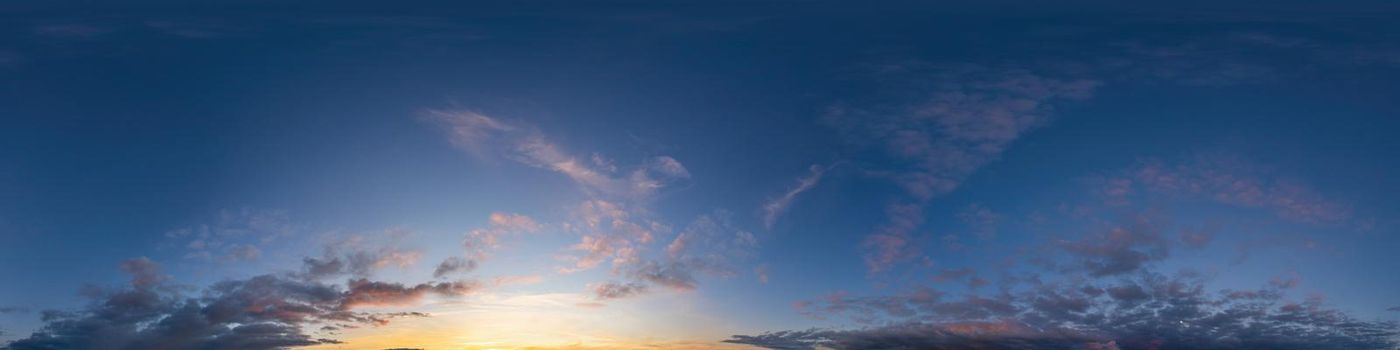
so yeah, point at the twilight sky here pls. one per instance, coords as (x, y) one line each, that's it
(699, 175)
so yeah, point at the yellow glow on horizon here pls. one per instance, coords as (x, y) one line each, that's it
(531, 321)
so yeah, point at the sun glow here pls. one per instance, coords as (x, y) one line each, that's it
(526, 321)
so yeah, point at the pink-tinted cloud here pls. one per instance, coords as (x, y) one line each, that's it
(776, 207)
(595, 175)
(1230, 180)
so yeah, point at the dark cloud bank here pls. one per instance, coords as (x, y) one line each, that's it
(1147, 311)
(1100, 291)
(263, 312)
(1103, 293)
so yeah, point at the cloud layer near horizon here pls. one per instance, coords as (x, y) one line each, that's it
(269, 311)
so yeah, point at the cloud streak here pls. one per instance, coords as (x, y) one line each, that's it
(778, 206)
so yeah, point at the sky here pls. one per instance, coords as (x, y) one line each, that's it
(1083, 175)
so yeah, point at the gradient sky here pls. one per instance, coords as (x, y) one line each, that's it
(699, 175)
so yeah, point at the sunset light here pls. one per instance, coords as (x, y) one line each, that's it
(699, 175)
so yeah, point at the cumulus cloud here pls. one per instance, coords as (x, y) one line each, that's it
(144, 272)
(777, 206)
(453, 265)
(957, 120)
(1121, 249)
(1098, 291)
(1148, 311)
(262, 312)
(989, 336)
(364, 292)
(355, 257)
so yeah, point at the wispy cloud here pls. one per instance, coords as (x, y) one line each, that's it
(961, 118)
(481, 134)
(777, 206)
(234, 235)
(70, 30)
(615, 224)
(1231, 180)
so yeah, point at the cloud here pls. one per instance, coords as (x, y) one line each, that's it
(615, 223)
(981, 220)
(144, 272)
(364, 292)
(349, 258)
(939, 128)
(516, 280)
(453, 265)
(478, 243)
(1233, 181)
(261, 312)
(70, 30)
(988, 336)
(479, 134)
(235, 235)
(610, 232)
(1107, 295)
(711, 245)
(954, 274)
(1148, 311)
(1121, 249)
(894, 241)
(776, 207)
(617, 290)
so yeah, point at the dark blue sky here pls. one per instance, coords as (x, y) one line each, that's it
(480, 175)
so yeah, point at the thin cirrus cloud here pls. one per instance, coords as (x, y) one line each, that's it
(483, 135)
(776, 207)
(935, 141)
(234, 235)
(1230, 180)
